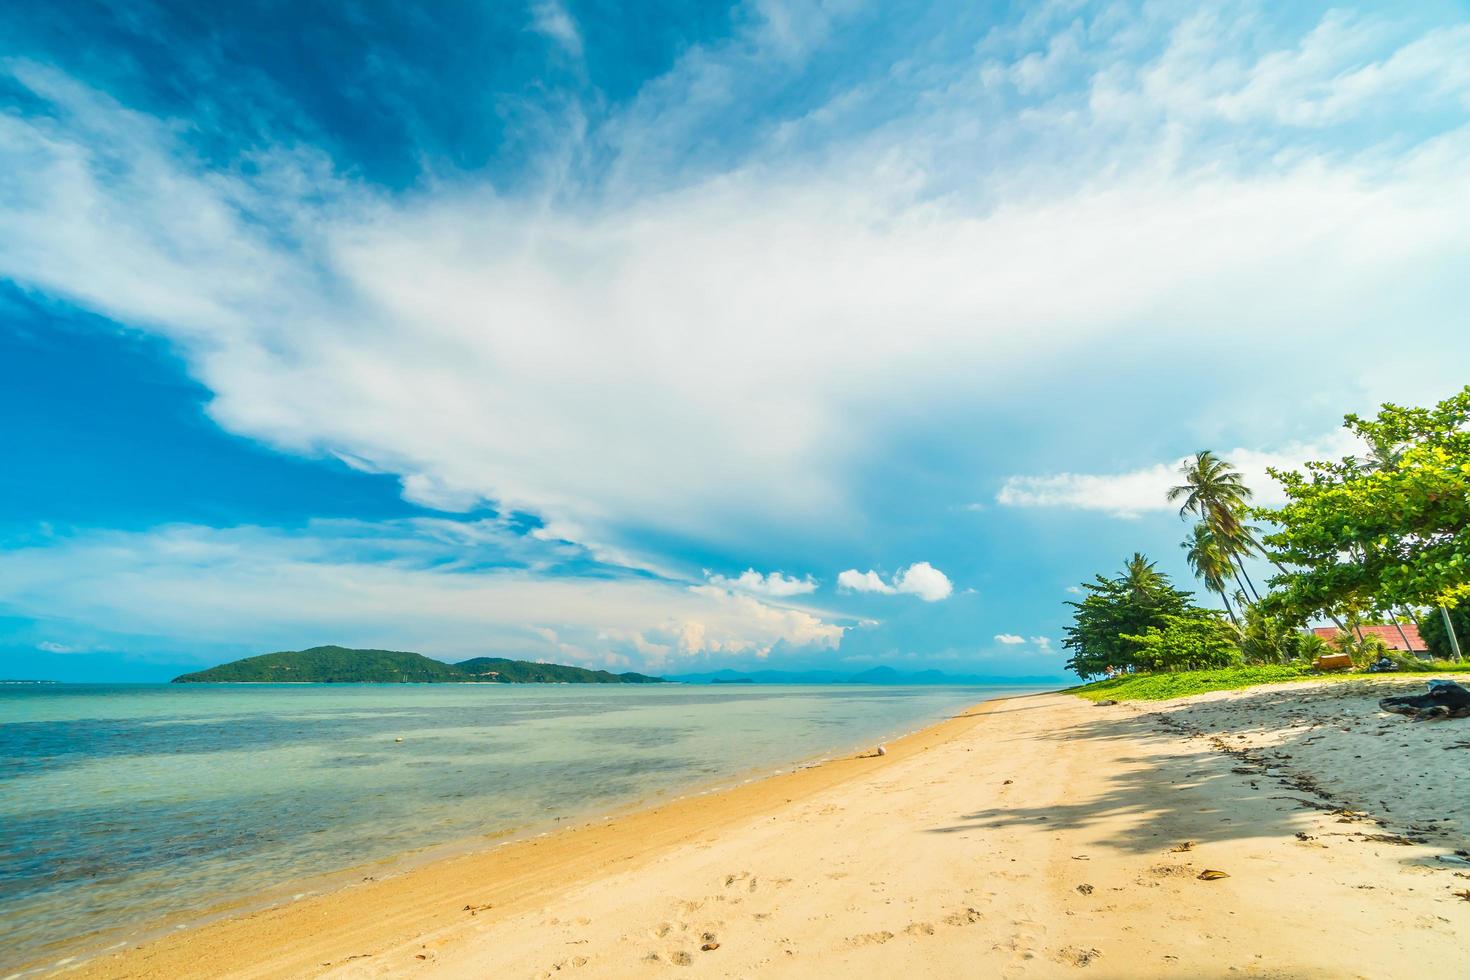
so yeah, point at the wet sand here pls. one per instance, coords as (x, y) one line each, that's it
(1034, 836)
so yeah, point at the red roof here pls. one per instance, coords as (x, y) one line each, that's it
(1388, 634)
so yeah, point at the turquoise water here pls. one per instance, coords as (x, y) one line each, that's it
(122, 805)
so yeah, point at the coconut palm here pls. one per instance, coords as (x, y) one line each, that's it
(1214, 490)
(1210, 562)
(1140, 576)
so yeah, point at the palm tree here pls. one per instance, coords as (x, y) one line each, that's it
(1209, 561)
(1214, 491)
(1140, 576)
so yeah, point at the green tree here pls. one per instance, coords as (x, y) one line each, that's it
(1193, 640)
(1128, 604)
(1266, 638)
(1388, 530)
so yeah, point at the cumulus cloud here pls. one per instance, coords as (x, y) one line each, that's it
(921, 579)
(853, 580)
(925, 581)
(1145, 490)
(772, 584)
(1009, 639)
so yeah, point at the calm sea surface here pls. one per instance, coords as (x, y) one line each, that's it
(122, 805)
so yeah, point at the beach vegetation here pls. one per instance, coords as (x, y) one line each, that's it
(1379, 537)
(1162, 686)
(1383, 531)
(1117, 613)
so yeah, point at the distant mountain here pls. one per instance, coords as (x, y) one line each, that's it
(875, 675)
(340, 665)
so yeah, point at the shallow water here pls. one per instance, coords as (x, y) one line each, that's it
(122, 805)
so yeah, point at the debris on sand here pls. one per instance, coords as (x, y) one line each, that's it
(1445, 699)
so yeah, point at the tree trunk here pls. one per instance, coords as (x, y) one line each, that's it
(1230, 612)
(1449, 629)
(1241, 566)
(1408, 647)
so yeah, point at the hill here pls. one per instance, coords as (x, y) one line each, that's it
(500, 670)
(341, 665)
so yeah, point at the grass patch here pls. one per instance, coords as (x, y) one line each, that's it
(1161, 687)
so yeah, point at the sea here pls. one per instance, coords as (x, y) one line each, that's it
(127, 808)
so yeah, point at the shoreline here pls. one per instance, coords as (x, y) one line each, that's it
(89, 948)
(1027, 836)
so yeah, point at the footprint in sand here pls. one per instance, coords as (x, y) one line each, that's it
(741, 879)
(1076, 955)
(869, 938)
(965, 917)
(919, 929)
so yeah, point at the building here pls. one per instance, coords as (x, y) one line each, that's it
(1388, 634)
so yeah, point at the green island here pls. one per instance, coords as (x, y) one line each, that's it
(342, 665)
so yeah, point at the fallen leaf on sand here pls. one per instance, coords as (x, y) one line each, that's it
(1209, 874)
(709, 946)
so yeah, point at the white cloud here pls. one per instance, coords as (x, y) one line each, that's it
(921, 579)
(772, 584)
(550, 18)
(853, 580)
(925, 581)
(525, 349)
(1145, 490)
(332, 583)
(1041, 643)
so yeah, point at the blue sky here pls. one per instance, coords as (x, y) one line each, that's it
(697, 335)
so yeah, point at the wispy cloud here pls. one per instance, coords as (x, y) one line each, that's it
(550, 18)
(758, 301)
(1135, 492)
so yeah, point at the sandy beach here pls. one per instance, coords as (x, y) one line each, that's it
(1035, 836)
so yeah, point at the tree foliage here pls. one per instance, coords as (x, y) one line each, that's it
(1388, 529)
(1195, 640)
(1129, 604)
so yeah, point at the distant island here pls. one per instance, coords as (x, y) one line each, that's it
(341, 665)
